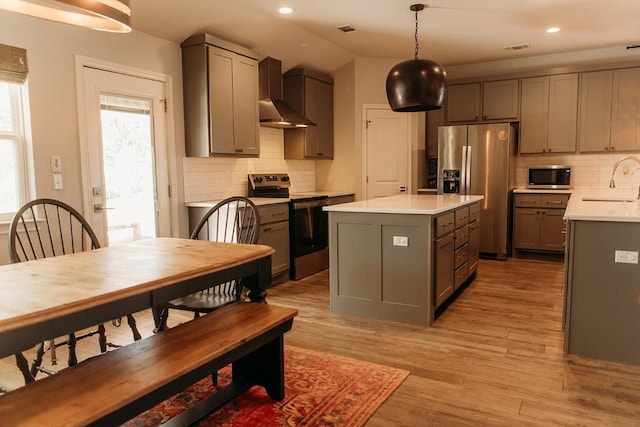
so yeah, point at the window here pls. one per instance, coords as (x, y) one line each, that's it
(13, 142)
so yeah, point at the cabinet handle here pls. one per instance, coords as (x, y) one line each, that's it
(606, 148)
(239, 150)
(475, 117)
(320, 154)
(555, 202)
(267, 229)
(613, 148)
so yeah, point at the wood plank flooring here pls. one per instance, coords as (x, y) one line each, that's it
(495, 357)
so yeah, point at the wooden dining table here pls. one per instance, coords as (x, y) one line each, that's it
(50, 297)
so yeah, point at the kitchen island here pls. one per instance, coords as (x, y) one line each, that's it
(602, 276)
(402, 258)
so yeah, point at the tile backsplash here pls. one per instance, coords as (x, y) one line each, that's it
(588, 171)
(214, 178)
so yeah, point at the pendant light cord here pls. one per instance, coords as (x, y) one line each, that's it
(416, 36)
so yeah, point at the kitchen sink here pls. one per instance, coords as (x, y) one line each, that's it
(608, 199)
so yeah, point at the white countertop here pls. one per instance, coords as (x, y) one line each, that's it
(407, 204)
(605, 209)
(273, 200)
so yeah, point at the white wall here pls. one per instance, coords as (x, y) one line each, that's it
(51, 49)
(359, 83)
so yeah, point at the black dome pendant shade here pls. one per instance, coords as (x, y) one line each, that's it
(416, 84)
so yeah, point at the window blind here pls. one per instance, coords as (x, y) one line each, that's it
(13, 64)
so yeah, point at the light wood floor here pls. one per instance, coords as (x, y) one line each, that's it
(493, 358)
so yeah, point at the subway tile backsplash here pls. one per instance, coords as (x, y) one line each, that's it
(588, 171)
(214, 178)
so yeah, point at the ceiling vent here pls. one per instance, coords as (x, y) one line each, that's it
(518, 46)
(346, 29)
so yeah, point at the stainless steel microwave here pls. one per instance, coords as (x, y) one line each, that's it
(553, 177)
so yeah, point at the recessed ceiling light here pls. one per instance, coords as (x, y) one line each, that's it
(285, 10)
(553, 30)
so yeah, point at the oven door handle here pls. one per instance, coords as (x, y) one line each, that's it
(310, 204)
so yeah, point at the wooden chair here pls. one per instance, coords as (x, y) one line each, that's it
(46, 228)
(234, 220)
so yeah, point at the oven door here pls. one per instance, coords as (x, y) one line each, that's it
(309, 226)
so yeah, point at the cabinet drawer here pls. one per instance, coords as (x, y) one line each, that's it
(527, 200)
(554, 201)
(444, 224)
(462, 236)
(273, 213)
(474, 212)
(461, 256)
(461, 275)
(462, 216)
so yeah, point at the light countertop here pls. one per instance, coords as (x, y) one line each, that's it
(257, 200)
(606, 208)
(407, 204)
(273, 200)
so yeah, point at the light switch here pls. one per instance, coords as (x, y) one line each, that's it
(56, 163)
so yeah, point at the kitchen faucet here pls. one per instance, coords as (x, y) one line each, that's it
(612, 183)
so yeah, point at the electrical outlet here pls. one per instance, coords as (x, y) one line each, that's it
(626, 257)
(400, 241)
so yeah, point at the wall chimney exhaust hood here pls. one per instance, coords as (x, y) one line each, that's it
(274, 112)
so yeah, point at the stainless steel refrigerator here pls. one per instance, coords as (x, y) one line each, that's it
(480, 160)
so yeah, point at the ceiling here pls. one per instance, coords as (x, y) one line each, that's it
(452, 32)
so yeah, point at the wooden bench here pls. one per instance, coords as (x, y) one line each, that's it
(114, 387)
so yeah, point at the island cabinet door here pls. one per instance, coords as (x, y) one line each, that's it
(444, 263)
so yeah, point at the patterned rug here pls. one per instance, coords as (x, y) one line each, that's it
(320, 390)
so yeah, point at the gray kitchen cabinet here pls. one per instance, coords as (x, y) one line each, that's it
(274, 232)
(220, 83)
(549, 114)
(444, 285)
(486, 101)
(311, 93)
(500, 100)
(596, 95)
(474, 237)
(625, 112)
(463, 103)
(538, 222)
(434, 119)
(601, 294)
(456, 250)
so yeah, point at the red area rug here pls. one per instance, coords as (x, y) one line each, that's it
(320, 390)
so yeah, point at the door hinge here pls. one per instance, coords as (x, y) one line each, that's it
(169, 190)
(165, 102)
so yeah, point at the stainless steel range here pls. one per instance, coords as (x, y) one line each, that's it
(308, 223)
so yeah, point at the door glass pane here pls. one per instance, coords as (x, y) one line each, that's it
(127, 144)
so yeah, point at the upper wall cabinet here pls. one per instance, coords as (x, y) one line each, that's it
(610, 111)
(220, 81)
(311, 93)
(486, 101)
(596, 95)
(548, 114)
(625, 112)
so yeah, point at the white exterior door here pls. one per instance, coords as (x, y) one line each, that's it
(387, 152)
(125, 157)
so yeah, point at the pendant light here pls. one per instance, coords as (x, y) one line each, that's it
(416, 84)
(103, 15)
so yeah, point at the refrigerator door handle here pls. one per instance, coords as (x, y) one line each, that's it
(467, 167)
(463, 173)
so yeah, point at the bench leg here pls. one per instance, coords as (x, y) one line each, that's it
(264, 367)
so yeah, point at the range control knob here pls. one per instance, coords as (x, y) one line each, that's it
(257, 179)
(285, 178)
